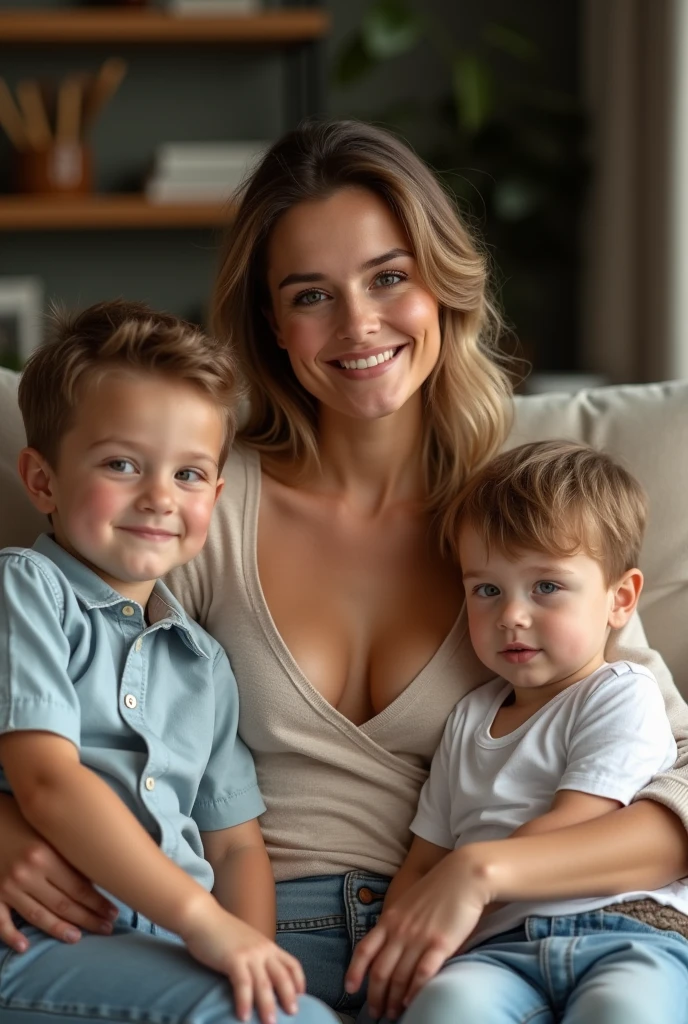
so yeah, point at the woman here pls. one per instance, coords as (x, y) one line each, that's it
(356, 300)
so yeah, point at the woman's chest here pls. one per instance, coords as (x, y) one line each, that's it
(361, 605)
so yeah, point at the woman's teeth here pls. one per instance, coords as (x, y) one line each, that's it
(363, 364)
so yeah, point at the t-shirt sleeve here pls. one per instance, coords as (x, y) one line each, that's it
(36, 691)
(228, 794)
(433, 816)
(621, 738)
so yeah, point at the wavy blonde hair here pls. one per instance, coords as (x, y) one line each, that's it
(466, 397)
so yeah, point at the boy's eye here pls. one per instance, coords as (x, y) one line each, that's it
(188, 476)
(122, 466)
(546, 587)
(486, 590)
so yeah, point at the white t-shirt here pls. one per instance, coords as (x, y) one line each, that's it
(606, 735)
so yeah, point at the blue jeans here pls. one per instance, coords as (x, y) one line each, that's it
(593, 968)
(139, 973)
(320, 920)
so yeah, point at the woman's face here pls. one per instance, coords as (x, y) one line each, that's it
(359, 326)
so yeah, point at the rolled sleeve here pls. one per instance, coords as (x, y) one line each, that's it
(228, 794)
(36, 692)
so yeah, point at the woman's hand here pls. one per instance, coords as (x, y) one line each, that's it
(40, 886)
(423, 928)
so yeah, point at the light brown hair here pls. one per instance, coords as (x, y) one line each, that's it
(556, 497)
(466, 398)
(84, 347)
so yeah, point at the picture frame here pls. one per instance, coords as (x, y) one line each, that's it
(21, 319)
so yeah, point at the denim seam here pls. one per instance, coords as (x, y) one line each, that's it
(333, 921)
(94, 1012)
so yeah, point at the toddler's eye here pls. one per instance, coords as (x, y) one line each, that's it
(122, 466)
(486, 590)
(546, 587)
(188, 476)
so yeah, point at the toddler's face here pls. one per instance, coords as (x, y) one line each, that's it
(137, 479)
(536, 620)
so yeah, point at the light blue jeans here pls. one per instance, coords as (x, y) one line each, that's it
(594, 968)
(320, 920)
(139, 974)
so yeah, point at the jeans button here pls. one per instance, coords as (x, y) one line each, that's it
(365, 895)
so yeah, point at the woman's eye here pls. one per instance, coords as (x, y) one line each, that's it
(546, 587)
(188, 476)
(122, 466)
(388, 278)
(486, 590)
(309, 298)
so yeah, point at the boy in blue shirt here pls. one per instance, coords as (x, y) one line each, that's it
(118, 715)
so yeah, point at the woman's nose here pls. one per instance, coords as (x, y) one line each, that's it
(358, 319)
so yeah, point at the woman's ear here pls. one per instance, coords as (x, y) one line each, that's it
(270, 317)
(37, 478)
(625, 596)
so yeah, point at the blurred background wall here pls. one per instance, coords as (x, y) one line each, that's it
(556, 125)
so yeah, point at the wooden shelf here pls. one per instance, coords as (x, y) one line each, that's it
(117, 25)
(110, 212)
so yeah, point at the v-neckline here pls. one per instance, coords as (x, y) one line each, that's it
(411, 692)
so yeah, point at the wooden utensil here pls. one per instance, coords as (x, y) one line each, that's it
(10, 118)
(69, 109)
(36, 123)
(104, 86)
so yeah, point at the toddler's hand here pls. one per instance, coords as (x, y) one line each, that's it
(257, 968)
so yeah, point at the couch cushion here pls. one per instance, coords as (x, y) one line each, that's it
(646, 426)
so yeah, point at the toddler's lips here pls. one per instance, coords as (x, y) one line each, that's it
(146, 533)
(519, 655)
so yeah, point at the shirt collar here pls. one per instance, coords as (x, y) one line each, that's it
(93, 592)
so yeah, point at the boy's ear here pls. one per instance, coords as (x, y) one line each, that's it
(219, 487)
(625, 596)
(37, 478)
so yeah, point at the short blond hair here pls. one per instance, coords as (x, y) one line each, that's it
(556, 497)
(130, 336)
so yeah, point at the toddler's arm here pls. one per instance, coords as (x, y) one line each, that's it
(88, 824)
(244, 883)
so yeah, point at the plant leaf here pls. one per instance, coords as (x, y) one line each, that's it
(473, 92)
(390, 28)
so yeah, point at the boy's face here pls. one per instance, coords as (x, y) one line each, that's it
(537, 620)
(137, 478)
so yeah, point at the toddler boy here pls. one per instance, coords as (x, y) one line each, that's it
(548, 538)
(118, 715)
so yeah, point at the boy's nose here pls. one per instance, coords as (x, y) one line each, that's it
(514, 615)
(156, 498)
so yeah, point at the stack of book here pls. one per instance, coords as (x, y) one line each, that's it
(214, 8)
(197, 172)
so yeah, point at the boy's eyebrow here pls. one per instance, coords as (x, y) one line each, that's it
(376, 261)
(538, 570)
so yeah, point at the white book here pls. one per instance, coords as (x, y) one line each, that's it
(212, 7)
(207, 158)
(161, 191)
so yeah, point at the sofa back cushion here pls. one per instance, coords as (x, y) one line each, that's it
(646, 426)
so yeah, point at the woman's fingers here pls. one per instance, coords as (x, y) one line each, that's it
(364, 953)
(400, 980)
(9, 934)
(426, 968)
(381, 971)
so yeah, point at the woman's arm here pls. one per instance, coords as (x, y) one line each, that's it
(37, 883)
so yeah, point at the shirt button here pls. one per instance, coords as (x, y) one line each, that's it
(127, 610)
(130, 700)
(138, 645)
(150, 783)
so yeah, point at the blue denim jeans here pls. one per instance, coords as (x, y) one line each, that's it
(320, 920)
(593, 968)
(139, 974)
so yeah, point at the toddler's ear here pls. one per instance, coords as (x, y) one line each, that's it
(625, 596)
(37, 478)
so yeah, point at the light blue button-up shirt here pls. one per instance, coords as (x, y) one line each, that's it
(153, 709)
